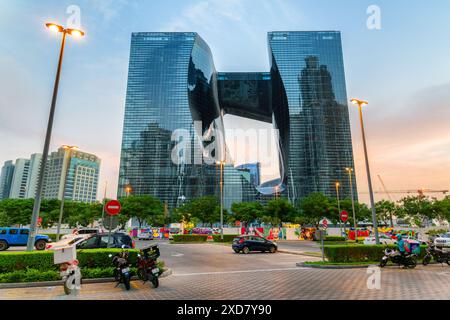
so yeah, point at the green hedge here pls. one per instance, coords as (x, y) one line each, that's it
(190, 237)
(226, 237)
(358, 253)
(334, 238)
(38, 266)
(43, 260)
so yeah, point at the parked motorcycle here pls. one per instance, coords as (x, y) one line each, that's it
(407, 260)
(147, 269)
(71, 276)
(122, 272)
(438, 254)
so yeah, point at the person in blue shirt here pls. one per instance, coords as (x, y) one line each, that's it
(401, 244)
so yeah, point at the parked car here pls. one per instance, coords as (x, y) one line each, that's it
(87, 232)
(145, 235)
(173, 231)
(73, 241)
(248, 243)
(18, 237)
(100, 240)
(384, 239)
(443, 241)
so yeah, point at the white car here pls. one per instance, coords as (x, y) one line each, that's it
(145, 236)
(443, 241)
(384, 239)
(72, 241)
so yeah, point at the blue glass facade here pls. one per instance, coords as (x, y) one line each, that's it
(172, 82)
(311, 111)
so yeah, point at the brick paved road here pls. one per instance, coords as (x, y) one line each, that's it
(212, 272)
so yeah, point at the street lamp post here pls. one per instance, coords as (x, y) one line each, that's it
(362, 103)
(350, 173)
(40, 184)
(338, 184)
(221, 163)
(69, 150)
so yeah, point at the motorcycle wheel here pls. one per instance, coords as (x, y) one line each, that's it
(426, 260)
(116, 275)
(142, 274)
(155, 282)
(412, 263)
(126, 282)
(383, 263)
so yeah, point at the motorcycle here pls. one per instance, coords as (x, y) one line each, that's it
(407, 260)
(122, 272)
(71, 276)
(438, 254)
(147, 269)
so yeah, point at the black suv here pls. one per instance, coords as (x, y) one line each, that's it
(100, 241)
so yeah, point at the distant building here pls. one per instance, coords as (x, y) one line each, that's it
(6, 177)
(255, 172)
(82, 176)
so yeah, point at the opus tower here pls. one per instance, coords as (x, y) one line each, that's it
(173, 86)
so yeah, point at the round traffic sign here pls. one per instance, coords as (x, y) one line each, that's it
(113, 207)
(344, 216)
(325, 223)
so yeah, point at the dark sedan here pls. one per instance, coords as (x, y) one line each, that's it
(246, 244)
(100, 240)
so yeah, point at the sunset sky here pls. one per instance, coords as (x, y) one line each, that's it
(403, 70)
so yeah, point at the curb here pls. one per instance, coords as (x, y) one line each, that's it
(297, 253)
(312, 266)
(22, 285)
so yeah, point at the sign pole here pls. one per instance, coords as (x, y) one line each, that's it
(323, 250)
(109, 232)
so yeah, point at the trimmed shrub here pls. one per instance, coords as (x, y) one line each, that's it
(358, 253)
(38, 266)
(226, 237)
(43, 260)
(190, 237)
(334, 238)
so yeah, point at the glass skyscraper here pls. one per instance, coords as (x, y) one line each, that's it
(173, 85)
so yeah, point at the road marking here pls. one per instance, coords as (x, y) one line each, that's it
(176, 254)
(234, 272)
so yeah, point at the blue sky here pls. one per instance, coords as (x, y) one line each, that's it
(402, 69)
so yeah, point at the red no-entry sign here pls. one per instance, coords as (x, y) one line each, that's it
(325, 223)
(113, 207)
(344, 216)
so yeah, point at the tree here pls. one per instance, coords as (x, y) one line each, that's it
(202, 209)
(280, 210)
(417, 209)
(314, 207)
(386, 210)
(144, 208)
(246, 212)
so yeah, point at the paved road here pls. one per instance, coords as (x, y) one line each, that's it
(207, 271)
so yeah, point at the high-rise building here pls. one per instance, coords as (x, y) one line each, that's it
(82, 172)
(19, 185)
(311, 111)
(6, 178)
(254, 170)
(173, 85)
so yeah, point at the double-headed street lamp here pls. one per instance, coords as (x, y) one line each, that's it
(37, 201)
(362, 103)
(69, 150)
